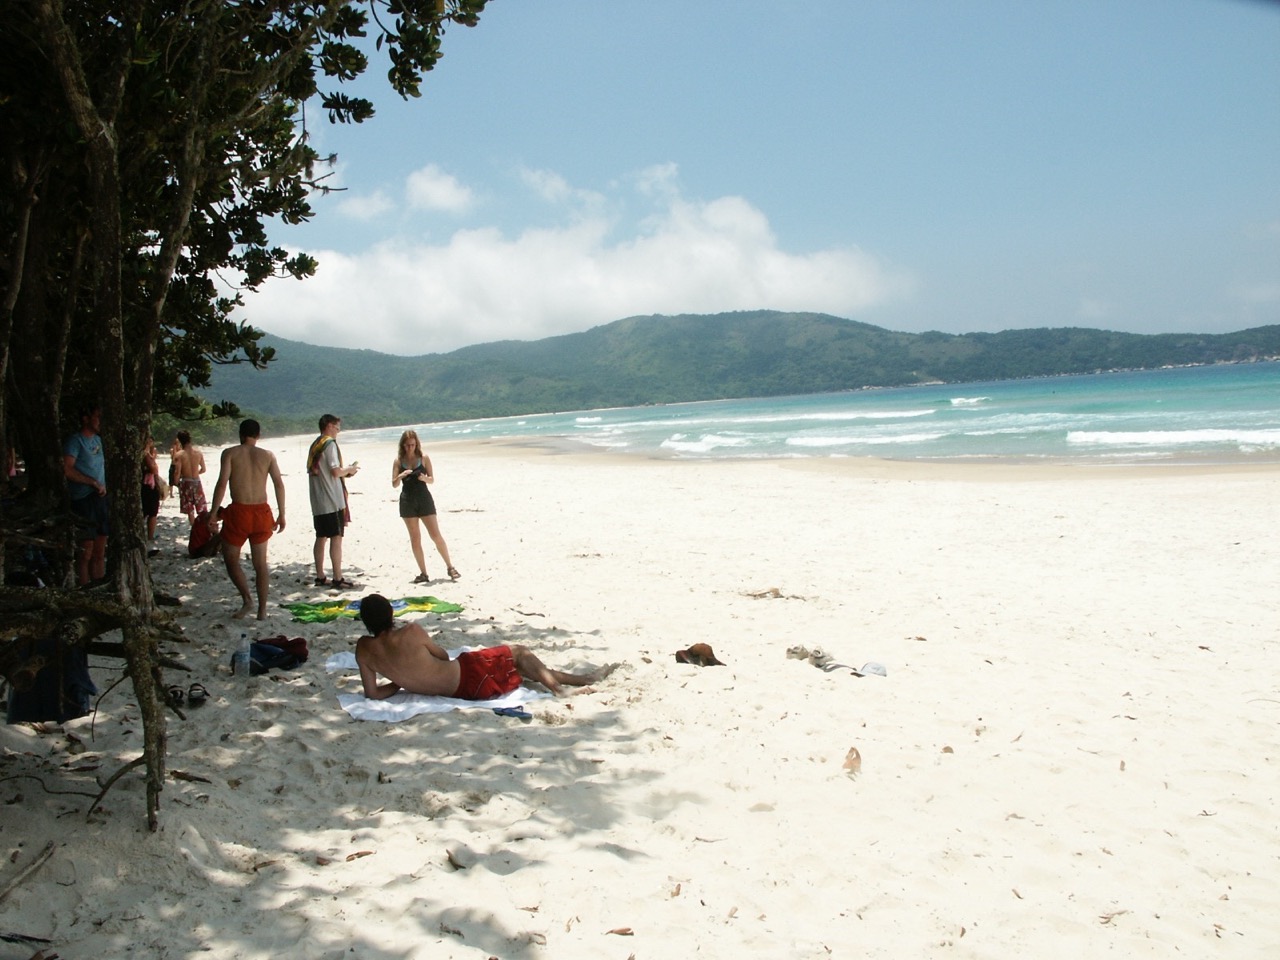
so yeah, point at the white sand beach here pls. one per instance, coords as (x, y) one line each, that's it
(1075, 751)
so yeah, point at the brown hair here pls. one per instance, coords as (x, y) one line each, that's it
(405, 438)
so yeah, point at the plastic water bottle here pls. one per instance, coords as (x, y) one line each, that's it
(240, 659)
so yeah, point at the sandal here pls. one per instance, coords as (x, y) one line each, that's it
(341, 583)
(453, 573)
(322, 581)
(422, 578)
(197, 694)
(516, 713)
(174, 695)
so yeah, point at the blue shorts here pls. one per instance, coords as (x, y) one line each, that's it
(93, 510)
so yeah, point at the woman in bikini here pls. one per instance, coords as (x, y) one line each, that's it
(411, 471)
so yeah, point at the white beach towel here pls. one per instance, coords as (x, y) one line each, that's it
(402, 706)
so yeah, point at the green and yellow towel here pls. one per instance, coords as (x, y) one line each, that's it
(333, 609)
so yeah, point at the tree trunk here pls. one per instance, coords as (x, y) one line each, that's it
(122, 442)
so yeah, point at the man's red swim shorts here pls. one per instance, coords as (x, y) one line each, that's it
(486, 674)
(246, 521)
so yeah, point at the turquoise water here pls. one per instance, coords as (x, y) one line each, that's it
(1228, 413)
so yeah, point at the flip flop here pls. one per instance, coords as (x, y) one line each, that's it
(197, 694)
(174, 694)
(827, 663)
(518, 713)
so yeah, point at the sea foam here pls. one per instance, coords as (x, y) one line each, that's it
(1168, 438)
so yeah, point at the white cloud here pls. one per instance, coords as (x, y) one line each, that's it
(659, 180)
(548, 185)
(482, 285)
(366, 207)
(430, 188)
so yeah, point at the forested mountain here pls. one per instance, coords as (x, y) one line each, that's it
(662, 359)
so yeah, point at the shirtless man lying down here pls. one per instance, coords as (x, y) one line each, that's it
(415, 663)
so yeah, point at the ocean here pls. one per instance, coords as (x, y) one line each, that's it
(1221, 414)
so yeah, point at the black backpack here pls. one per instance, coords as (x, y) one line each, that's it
(276, 653)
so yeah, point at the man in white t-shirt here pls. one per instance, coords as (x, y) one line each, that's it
(325, 475)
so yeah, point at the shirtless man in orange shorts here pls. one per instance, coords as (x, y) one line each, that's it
(415, 663)
(244, 470)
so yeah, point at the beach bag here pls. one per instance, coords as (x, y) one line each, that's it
(277, 653)
(296, 646)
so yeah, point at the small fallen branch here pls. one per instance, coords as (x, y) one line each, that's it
(60, 793)
(773, 593)
(135, 762)
(27, 871)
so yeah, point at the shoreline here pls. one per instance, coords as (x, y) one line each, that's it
(880, 466)
(1163, 417)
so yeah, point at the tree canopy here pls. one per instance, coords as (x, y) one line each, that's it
(147, 145)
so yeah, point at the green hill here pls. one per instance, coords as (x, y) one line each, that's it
(661, 359)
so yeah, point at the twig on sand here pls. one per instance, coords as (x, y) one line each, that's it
(27, 871)
(772, 593)
(135, 762)
(46, 789)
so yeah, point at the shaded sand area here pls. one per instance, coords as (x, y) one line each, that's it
(1075, 751)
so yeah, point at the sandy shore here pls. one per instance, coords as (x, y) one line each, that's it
(1075, 751)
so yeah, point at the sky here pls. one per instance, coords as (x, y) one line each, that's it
(922, 165)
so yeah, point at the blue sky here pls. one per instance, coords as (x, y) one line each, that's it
(954, 165)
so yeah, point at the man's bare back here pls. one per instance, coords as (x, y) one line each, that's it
(408, 657)
(190, 462)
(246, 468)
